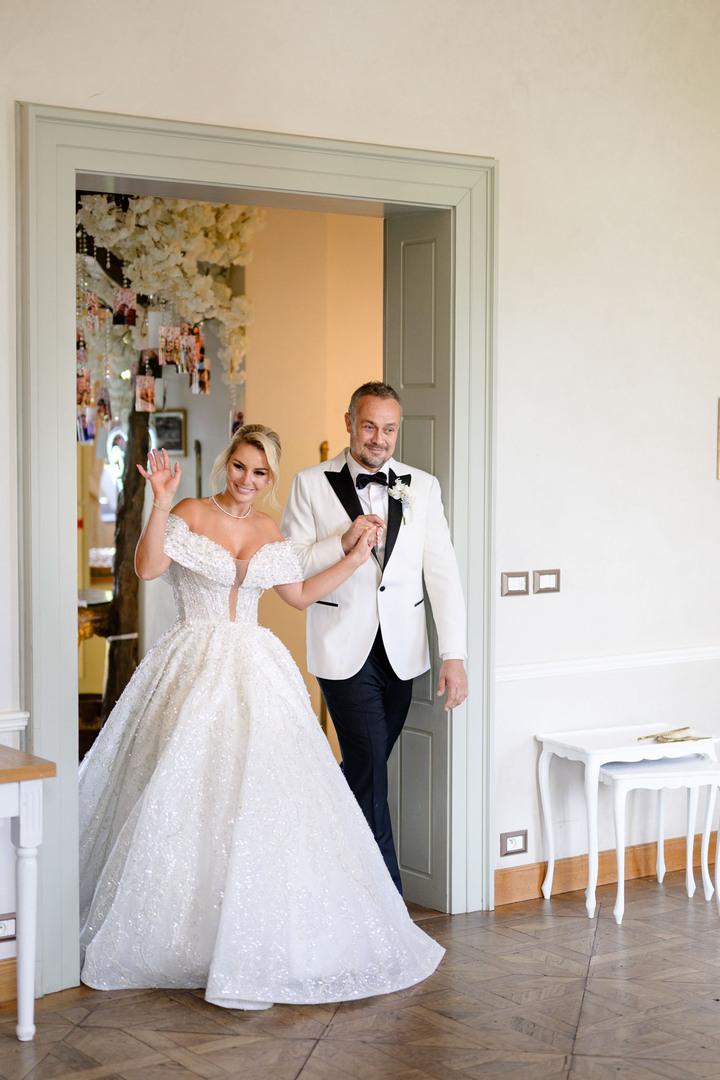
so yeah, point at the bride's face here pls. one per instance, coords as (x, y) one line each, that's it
(246, 474)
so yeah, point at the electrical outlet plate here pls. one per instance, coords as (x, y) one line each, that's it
(514, 843)
(7, 927)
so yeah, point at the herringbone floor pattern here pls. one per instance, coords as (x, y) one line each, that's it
(534, 991)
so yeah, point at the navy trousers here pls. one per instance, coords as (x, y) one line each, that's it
(368, 711)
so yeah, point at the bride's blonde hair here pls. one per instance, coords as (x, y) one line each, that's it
(262, 438)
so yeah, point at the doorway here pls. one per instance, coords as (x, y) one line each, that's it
(314, 282)
(64, 149)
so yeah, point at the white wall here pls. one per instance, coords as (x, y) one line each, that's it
(603, 114)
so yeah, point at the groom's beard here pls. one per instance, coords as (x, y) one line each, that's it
(372, 459)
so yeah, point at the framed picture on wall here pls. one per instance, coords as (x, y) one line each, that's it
(170, 431)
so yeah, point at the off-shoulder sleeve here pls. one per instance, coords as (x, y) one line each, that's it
(196, 552)
(274, 564)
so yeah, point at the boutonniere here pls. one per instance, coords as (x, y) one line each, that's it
(404, 493)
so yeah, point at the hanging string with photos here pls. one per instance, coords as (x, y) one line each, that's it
(177, 261)
(152, 275)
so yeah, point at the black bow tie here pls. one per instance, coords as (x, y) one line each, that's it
(363, 479)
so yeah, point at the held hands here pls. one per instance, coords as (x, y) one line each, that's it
(163, 477)
(453, 678)
(359, 528)
(360, 553)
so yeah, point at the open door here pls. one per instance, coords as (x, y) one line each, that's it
(419, 364)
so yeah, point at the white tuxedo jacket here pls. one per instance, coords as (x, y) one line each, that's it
(341, 628)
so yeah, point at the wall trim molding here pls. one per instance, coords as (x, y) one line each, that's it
(13, 721)
(553, 669)
(524, 882)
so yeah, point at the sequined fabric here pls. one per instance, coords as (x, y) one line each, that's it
(220, 845)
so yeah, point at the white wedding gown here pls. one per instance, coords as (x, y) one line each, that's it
(220, 845)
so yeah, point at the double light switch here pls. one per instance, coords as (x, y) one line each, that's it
(517, 582)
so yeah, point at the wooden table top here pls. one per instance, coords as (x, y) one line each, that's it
(16, 765)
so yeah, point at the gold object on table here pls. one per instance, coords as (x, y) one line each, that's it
(674, 735)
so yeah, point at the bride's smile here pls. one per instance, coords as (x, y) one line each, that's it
(247, 474)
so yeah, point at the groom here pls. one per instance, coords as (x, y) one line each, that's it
(367, 640)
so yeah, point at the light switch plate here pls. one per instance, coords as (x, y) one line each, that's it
(515, 583)
(546, 581)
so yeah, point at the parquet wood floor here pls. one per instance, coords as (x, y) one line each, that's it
(533, 991)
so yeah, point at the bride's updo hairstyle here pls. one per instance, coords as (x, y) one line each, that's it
(262, 438)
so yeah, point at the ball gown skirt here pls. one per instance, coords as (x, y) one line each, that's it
(220, 845)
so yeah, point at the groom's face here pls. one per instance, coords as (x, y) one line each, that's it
(374, 431)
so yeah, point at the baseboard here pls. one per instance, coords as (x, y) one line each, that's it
(8, 981)
(525, 882)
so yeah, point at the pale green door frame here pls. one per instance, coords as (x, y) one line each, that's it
(56, 146)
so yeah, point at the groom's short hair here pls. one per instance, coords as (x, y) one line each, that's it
(372, 389)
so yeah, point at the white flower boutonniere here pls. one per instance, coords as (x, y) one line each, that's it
(404, 493)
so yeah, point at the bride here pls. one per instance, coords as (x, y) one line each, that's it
(220, 845)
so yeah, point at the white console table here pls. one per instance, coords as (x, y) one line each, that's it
(595, 748)
(21, 798)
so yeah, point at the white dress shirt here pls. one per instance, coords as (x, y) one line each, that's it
(374, 500)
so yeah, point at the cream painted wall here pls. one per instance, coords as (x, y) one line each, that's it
(603, 114)
(316, 284)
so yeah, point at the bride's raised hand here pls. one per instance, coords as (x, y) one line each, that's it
(163, 477)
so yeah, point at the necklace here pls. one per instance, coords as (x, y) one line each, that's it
(235, 517)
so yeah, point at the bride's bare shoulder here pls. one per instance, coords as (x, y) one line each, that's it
(193, 511)
(268, 528)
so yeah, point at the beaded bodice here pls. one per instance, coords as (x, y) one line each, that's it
(209, 585)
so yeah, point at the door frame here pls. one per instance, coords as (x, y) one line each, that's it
(58, 145)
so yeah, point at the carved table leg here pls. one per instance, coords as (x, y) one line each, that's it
(546, 804)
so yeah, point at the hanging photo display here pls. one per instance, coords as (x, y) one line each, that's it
(92, 319)
(86, 425)
(82, 381)
(150, 363)
(86, 409)
(199, 380)
(145, 393)
(124, 304)
(189, 350)
(126, 295)
(169, 339)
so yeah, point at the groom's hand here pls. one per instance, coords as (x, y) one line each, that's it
(358, 527)
(453, 678)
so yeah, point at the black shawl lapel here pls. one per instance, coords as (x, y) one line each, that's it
(395, 515)
(343, 486)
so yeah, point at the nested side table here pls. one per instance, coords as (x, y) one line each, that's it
(21, 798)
(595, 748)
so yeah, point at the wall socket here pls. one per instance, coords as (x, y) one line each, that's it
(7, 927)
(513, 843)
